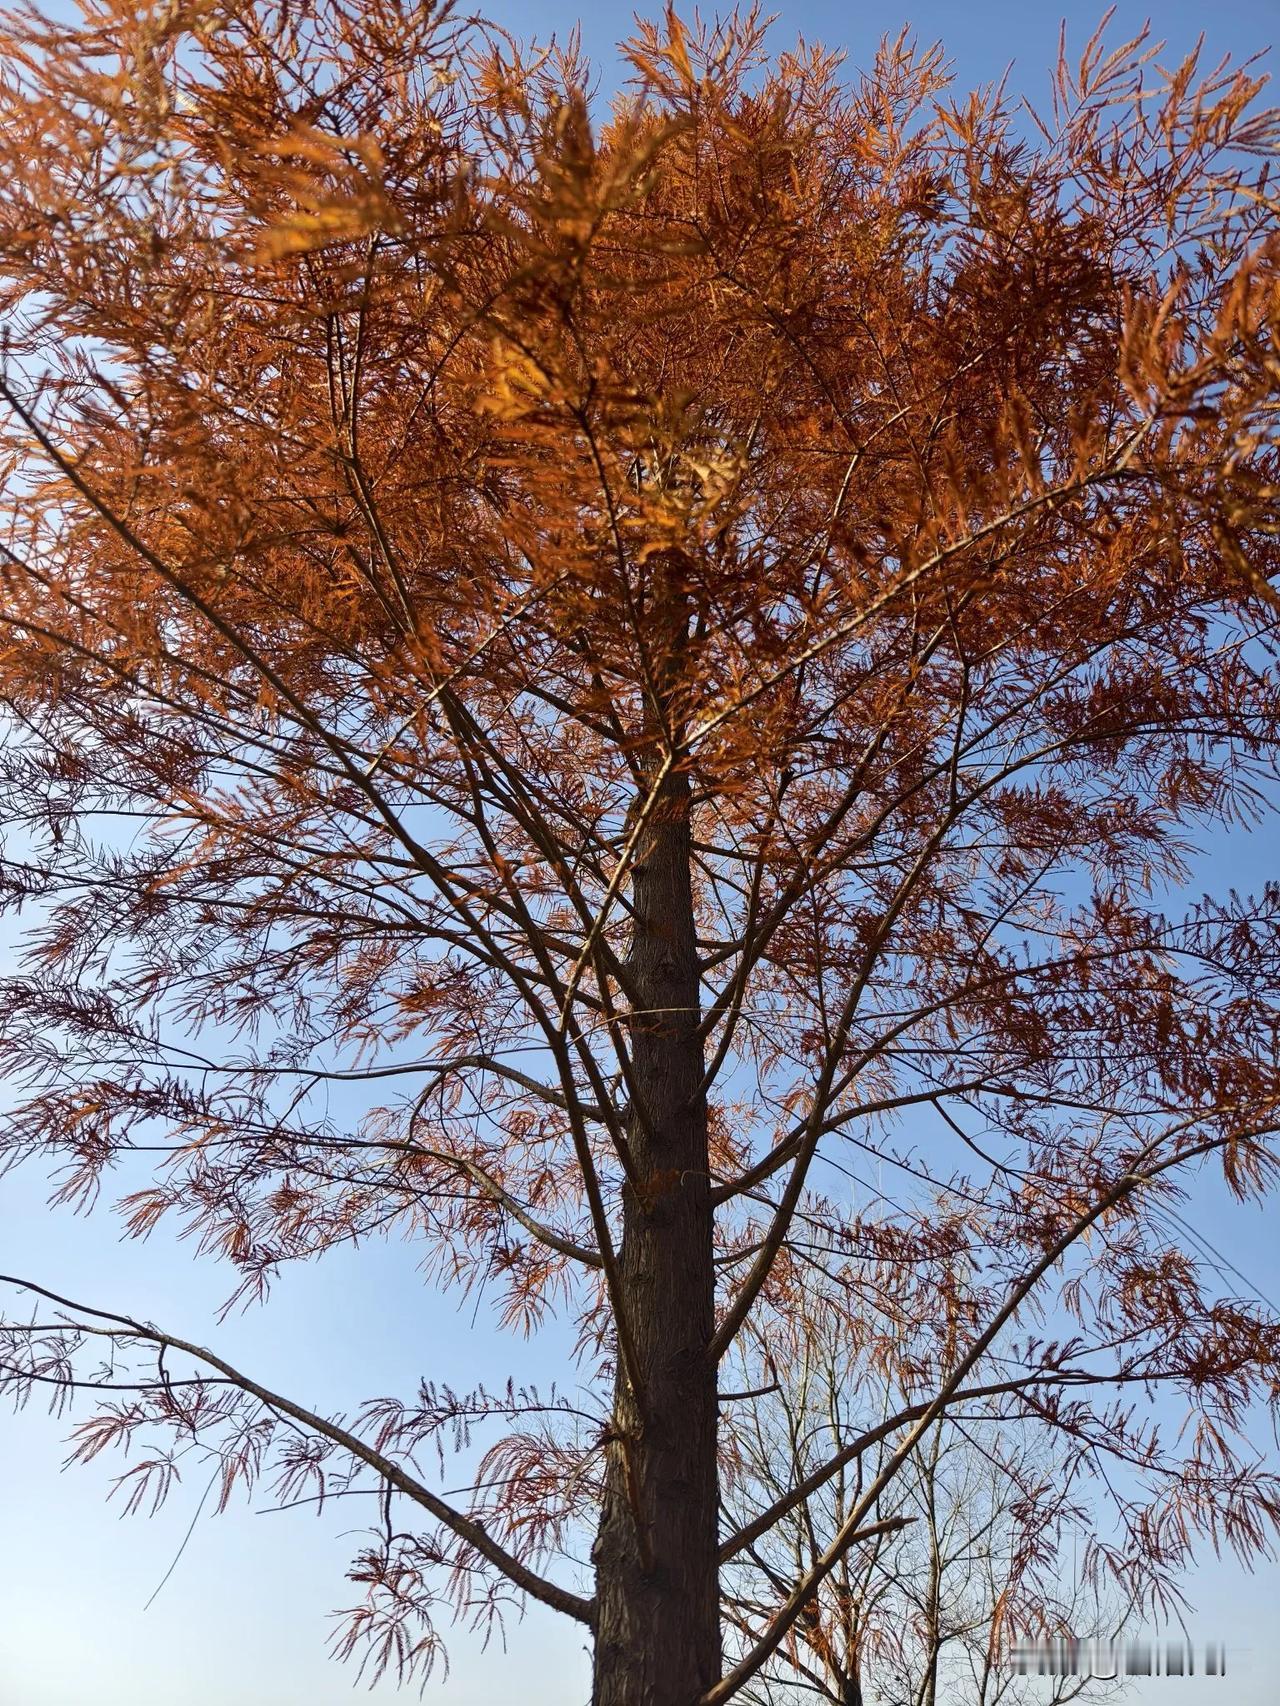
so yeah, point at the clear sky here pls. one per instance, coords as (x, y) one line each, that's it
(244, 1618)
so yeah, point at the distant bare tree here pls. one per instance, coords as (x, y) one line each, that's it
(985, 1546)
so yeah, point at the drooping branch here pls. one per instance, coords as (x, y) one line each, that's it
(122, 1329)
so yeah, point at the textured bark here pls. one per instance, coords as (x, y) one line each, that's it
(658, 1627)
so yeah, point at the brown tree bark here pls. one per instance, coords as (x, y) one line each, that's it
(851, 1687)
(657, 1619)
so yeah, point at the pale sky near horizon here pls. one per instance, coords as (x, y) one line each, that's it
(244, 1618)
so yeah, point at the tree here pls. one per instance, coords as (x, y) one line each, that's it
(651, 651)
(933, 1607)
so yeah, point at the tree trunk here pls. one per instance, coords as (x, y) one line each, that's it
(658, 1615)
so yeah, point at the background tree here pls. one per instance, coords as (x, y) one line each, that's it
(649, 651)
(998, 1518)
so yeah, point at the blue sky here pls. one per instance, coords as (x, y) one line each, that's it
(244, 1618)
